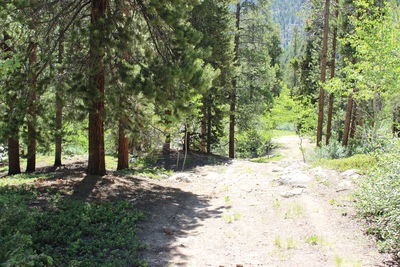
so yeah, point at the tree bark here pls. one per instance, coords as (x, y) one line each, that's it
(323, 73)
(123, 148)
(13, 156)
(359, 122)
(209, 126)
(347, 122)
(14, 166)
(96, 165)
(167, 143)
(186, 139)
(353, 127)
(31, 122)
(232, 117)
(58, 135)
(396, 122)
(203, 128)
(59, 110)
(332, 68)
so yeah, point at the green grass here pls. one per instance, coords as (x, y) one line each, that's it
(111, 162)
(22, 178)
(316, 240)
(4, 168)
(228, 200)
(280, 133)
(267, 159)
(361, 162)
(40, 160)
(230, 218)
(294, 210)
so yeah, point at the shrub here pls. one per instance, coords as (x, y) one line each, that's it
(356, 146)
(252, 144)
(378, 199)
(332, 151)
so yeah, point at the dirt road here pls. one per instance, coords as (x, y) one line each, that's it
(279, 213)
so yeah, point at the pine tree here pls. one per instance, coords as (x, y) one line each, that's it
(213, 20)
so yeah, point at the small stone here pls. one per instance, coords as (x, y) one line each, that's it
(292, 193)
(181, 177)
(278, 169)
(294, 179)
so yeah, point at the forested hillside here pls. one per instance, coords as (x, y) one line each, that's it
(128, 127)
(290, 15)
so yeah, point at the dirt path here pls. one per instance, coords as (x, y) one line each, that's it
(280, 213)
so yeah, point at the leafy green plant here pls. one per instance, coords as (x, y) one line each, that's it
(66, 232)
(230, 218)
(378, 199)
(314, 240)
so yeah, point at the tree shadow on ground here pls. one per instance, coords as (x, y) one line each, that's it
(179, 161)
(170, 213)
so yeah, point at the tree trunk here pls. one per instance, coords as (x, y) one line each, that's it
(203, 129)
(332, 67)
(359, 122)
(353, 127)
(186, 139)
(396, 122)
(96, 165)
(31, 122)
(123, 148)
(347, 122)
(13, 156)
(13, 137)
(323, 73)
(59, 110)
(58, 136)
(209, 126)
(232, 117)
(167, 143)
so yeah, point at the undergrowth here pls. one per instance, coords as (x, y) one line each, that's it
(38, 229)
(378, 199)
(361, 162)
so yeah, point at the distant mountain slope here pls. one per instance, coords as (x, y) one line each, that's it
(288, 14)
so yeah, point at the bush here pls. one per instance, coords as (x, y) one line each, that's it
(378, 199)
(335, 150)
(332, 151)
(251, 144)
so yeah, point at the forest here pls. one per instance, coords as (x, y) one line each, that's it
(199, 133)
